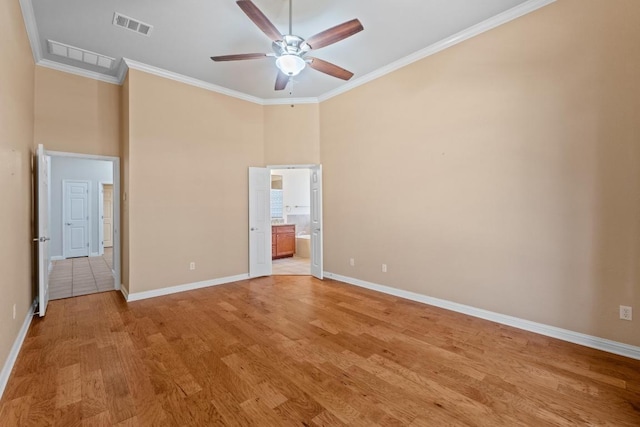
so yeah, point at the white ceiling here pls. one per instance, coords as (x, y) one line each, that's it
(186, 33)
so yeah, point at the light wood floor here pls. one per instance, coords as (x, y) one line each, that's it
(297, 351)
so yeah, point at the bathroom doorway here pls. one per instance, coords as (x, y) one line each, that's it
(291, 221)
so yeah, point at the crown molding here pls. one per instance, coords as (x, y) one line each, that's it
(290, 101)
(486, 25)
(122, 71)
(32, 29)
(125, 64)
(135, 65)
(78, 71)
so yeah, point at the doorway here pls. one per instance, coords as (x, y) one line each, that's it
(285, 220)
(290, 221)
(79, 262)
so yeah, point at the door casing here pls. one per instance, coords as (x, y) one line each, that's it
(117, 243)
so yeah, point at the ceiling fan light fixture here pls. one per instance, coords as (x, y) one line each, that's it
(291, 65)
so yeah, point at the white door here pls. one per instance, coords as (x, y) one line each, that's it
(259, 222)
(76, 219)
(107, 215)
(316, 222)
(42, 209)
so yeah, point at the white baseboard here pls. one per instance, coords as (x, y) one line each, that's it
(57, 258)
(124, 292)
(527, 325)
(181, 288)
(15, 349)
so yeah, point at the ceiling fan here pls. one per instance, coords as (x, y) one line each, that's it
(290, 50)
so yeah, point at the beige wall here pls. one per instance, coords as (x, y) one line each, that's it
(16, 150)
(189, 153)
(502, 173)
(292, 134)
(76, 114)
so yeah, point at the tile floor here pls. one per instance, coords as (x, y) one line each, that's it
(81, 276)
(294, 266)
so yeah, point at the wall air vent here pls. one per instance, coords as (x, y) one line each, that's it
(123, 21)
(81, 55)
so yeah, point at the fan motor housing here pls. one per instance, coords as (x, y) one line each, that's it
(291, 45)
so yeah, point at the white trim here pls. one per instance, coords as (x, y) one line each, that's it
(310, 166)
(526, 325)
(124, 292)
(122, 71)
(47, 63)
(32, 29)
(15, 349)
(182, 288)
(56, 258)
(290, 101)
(83, 156)
(493, 22)
(101, 185)
(486, 25)
(190, 81)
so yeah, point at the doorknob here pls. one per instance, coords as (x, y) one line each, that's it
(68, 223)
(254, 229)
(41, 239)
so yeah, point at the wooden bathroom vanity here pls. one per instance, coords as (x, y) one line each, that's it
(283, 240)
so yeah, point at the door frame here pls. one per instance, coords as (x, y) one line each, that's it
(64, 199)
(309, 167)
(101, 185)
(115, 161)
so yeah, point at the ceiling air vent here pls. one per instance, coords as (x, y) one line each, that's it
(123, 21)
(80, 55)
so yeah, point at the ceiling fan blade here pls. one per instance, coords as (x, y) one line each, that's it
(259, 19)
(335, 34)
(281, 80)
(239, 57)
(330, 69)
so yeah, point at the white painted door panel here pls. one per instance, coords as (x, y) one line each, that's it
(316, 222)
(259, 222)
(76, 219)
(42, 239)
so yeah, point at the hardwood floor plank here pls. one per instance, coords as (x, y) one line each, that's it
(292, 350)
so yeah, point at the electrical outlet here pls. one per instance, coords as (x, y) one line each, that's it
(14, 312)
(626, 313)
(352, 262)
(192, 266)
(384, 268)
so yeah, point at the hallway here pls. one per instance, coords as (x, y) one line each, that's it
(81, 276)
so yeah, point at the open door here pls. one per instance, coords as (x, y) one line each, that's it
(316, 222)
(42, 209)
(259, 222)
